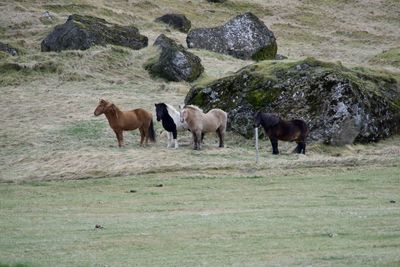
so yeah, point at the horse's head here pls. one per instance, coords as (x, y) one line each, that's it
(257, 119)
(184, 114)
(267, 120)
(161, 108)
(102, 107)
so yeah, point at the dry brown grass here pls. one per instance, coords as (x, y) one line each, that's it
(47, 126)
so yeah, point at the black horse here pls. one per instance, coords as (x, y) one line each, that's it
(277, 129)
(171, 122)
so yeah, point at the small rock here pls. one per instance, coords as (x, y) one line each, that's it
(8, 49)
(159, 185)
(132, 191)
(280, 57)
(332, 234)
(392, 201)
(46, 17)
(176, 21)
(98, 226)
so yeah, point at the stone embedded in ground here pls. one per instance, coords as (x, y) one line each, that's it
(177, 21)
(340, 105)
(175, 62)
(82, 32)
(244, 36)
(8, 49)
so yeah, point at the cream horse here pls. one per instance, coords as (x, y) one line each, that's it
(200, 123)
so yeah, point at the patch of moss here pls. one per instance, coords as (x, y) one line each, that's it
(261, 97)
(390, 57)
(267, 52)
(200, 99)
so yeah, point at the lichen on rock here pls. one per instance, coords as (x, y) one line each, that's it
(244, 36)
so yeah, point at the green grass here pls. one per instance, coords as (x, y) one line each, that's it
(335, 217)
(390, 57)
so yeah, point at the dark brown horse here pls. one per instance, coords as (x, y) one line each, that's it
(127, 121)
(277, 129)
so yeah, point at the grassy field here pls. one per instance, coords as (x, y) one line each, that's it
(327, 217)
(61, 172)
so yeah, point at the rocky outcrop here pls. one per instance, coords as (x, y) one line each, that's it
(176, 21)
(175, 62)
(340, 105)
(82, 32)
(8, 49)
(245, 37)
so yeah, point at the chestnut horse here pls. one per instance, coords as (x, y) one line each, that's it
(200, 123)
(127, 121)
(277, 129)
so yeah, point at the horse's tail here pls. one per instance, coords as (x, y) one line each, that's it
(152, 133)
(303, 127)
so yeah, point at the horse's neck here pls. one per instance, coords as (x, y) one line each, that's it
(174, 114)
(113, 116)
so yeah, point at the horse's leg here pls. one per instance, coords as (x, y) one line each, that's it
(274, 143)
(120, 137)
(141, 136)
(303, 147)
(202, 138)
(199, 135)
(194, 140)
(146, 134)
(169, 139)
(299, 147)
(221, 137)
(175, 136)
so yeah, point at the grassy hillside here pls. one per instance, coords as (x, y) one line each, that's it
(50, 139)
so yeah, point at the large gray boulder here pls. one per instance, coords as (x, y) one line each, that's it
(245, 37)
(82, 32)
(176, 21)
(340, 105)
(175, 62)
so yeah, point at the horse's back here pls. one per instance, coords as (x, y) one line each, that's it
(214, 119)
(302, 125)
(137, 117)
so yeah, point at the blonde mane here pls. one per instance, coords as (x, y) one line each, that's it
(193, 107)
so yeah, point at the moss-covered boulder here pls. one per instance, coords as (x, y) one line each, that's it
(244, 36)
(82, 32)
(341, 105)
(175, 63)
(176, 21)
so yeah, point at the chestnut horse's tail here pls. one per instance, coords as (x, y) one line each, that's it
(152, 133)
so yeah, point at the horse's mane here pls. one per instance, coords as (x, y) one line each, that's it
(193, 107)
(170, 108)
